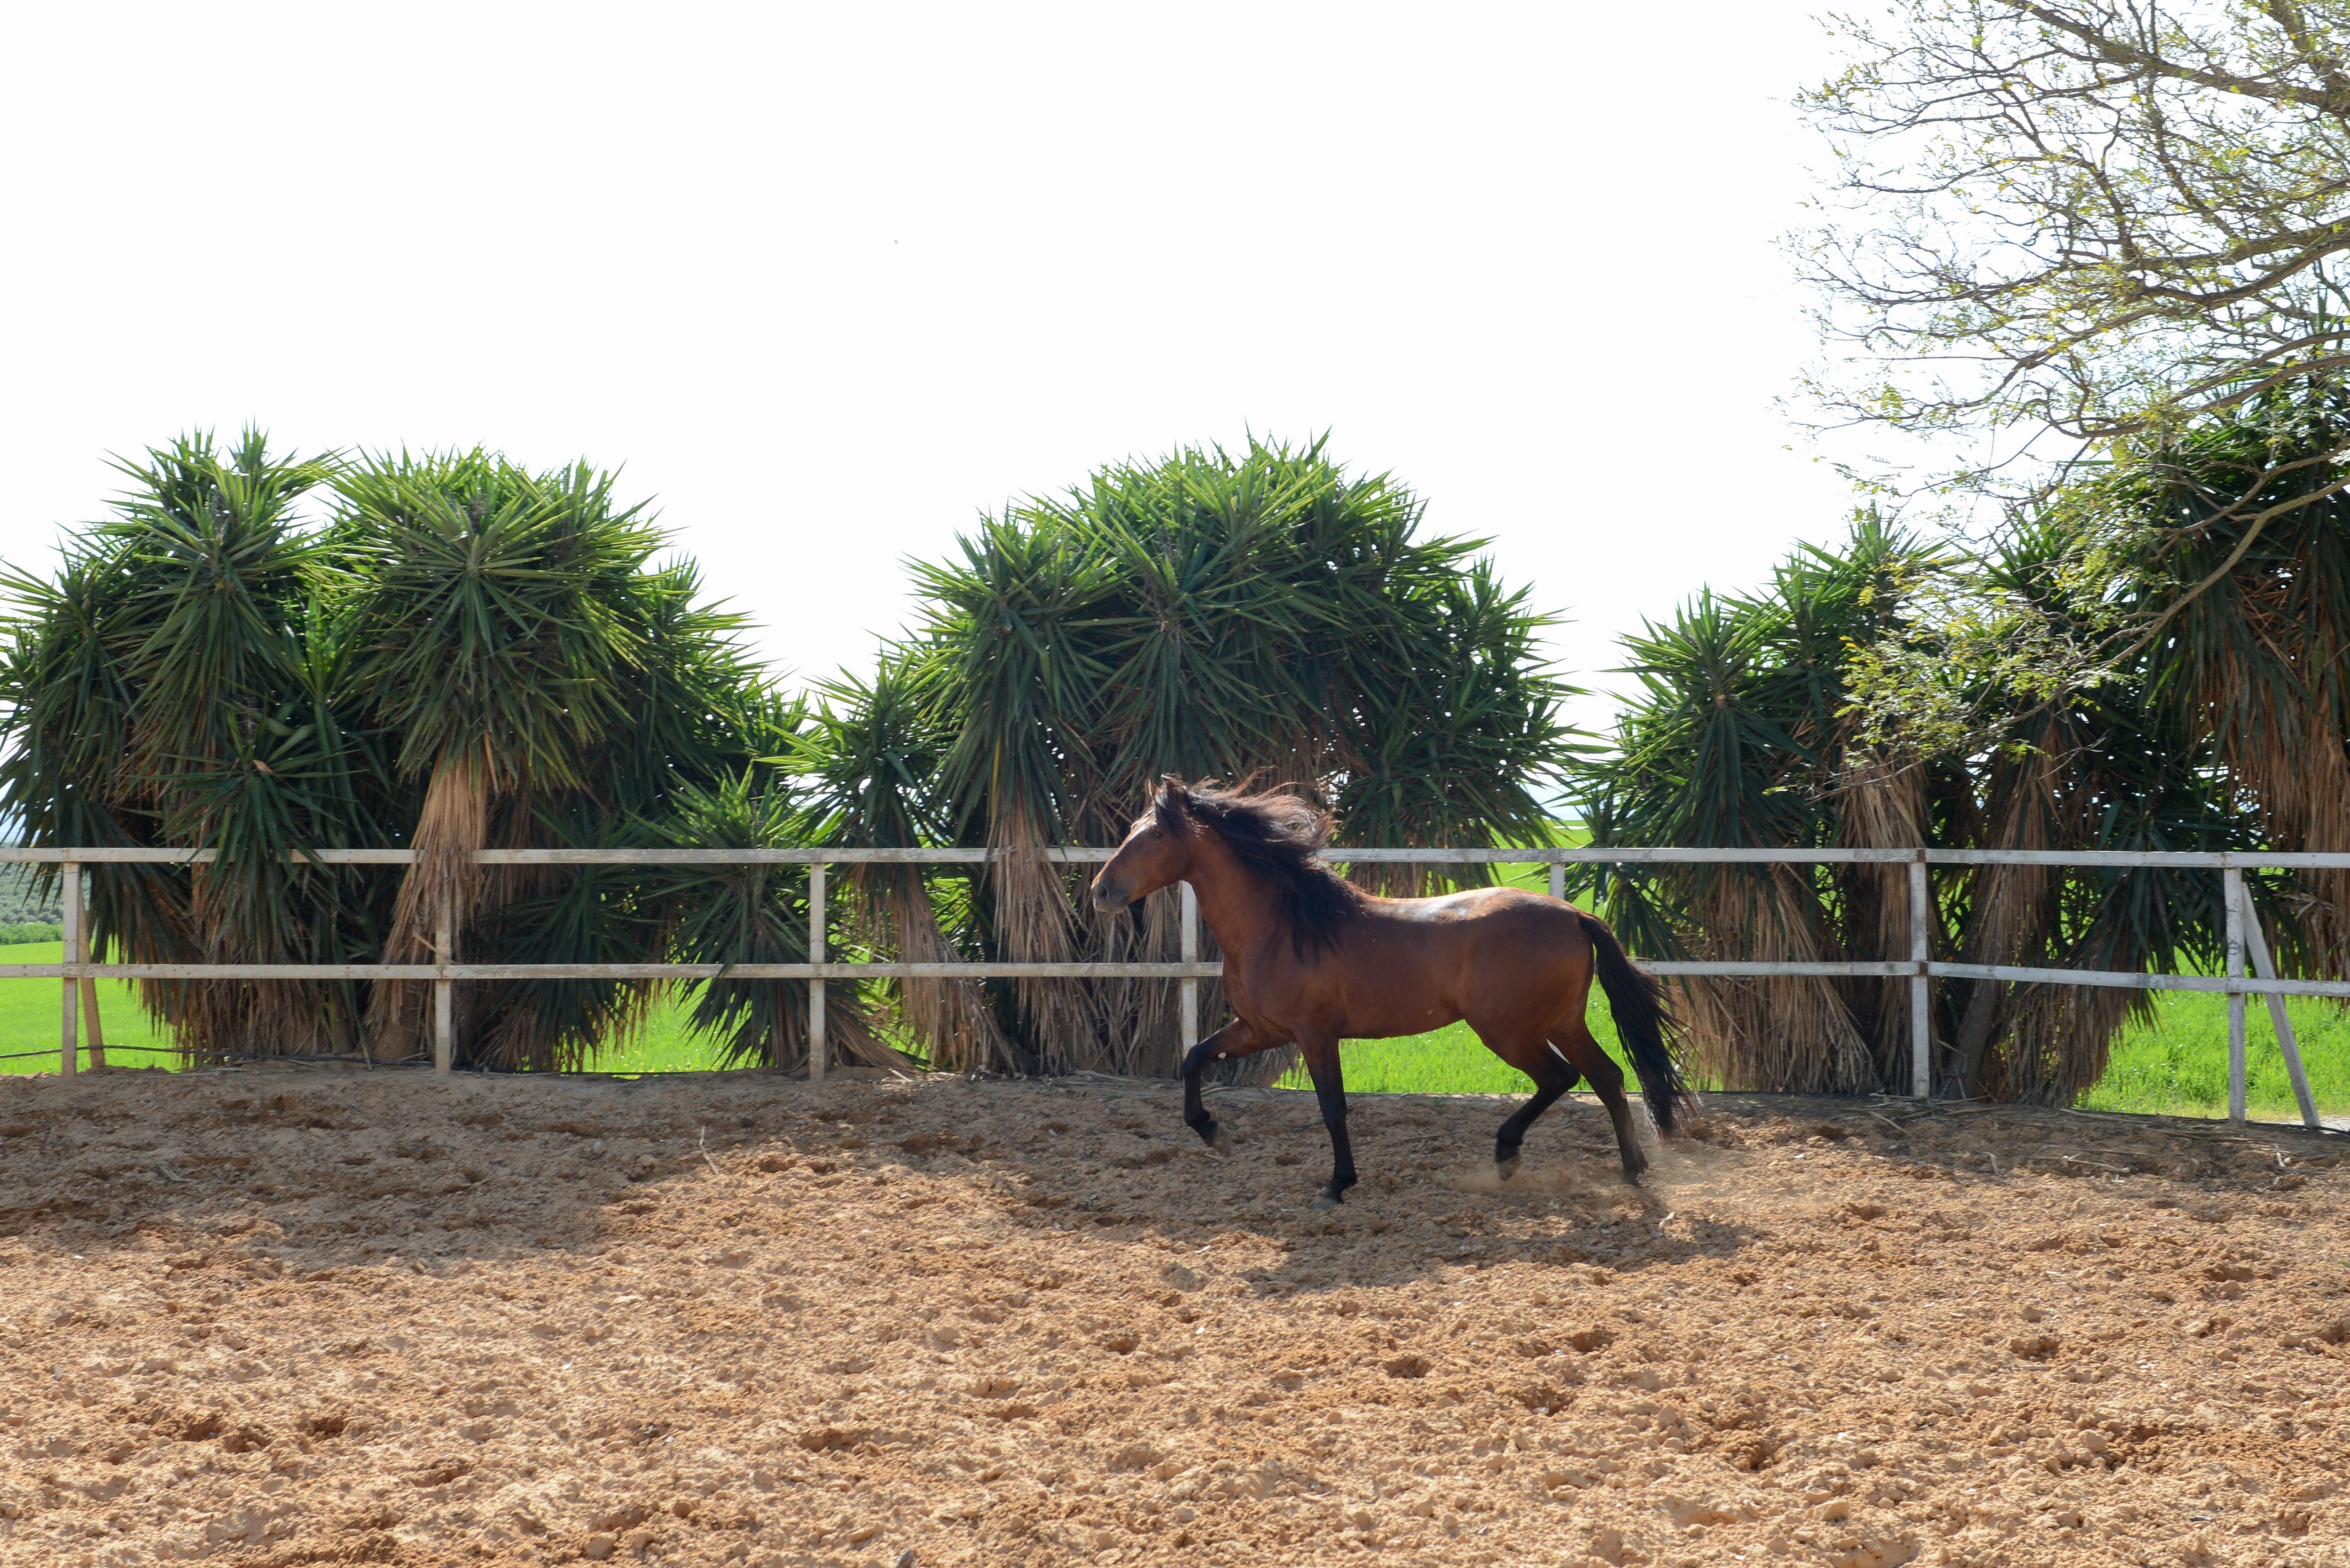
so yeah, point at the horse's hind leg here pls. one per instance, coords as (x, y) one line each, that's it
(1572, 1038)
(1553, 1077)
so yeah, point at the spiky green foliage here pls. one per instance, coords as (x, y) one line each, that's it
(871, 759)
(1738, 738)
(466, 653)
(1748, 734)
(1214, 616)
(1209, 615)
(175, 684)
(758, 914)
(493, 606)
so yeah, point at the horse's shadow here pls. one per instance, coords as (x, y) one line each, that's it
(1428, 1207)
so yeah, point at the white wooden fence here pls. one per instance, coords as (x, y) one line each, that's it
(2243, 934)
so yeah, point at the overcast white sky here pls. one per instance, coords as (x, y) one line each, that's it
(831, 280)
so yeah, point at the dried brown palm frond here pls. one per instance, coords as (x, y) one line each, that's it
(1789, 1033)
(952, 1018)
(1135, 1019)
(1738, 741)
(437, 899)
(2055, 1046)
(1035, 921)
(2009, 907)
(1880, 803)
(2259, 655)
(2287, 755)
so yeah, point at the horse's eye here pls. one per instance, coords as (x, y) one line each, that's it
(1155, 833)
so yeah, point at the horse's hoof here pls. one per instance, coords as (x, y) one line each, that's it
(1212, 1134)
(1324, 1201)
(1506, 1168)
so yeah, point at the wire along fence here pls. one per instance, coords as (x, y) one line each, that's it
(2250, 969)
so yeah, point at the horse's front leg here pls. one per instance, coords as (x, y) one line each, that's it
(1235, 1039)
(1330, 1088)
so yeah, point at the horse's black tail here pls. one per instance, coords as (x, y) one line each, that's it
(1643, 1021)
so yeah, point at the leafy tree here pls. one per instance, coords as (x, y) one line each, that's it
(1747, 735)
(2068, 233)
(2103, 241)
(2095, 216)
(486, 610)
(2240, 571)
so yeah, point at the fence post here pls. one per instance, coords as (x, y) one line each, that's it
(68, 1062)
(816, 1063)
(444, 993)
(2256, 947)
(1558, 880)
(1921, 1040)
(1187, 989)
(2232, 893)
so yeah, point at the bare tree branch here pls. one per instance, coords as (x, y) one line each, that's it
(2104, 218)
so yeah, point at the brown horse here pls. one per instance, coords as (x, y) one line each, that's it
(1311, 959)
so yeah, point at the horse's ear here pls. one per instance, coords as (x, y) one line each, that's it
(1175, 792)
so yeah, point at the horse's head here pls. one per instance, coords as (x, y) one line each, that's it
(1157, 852)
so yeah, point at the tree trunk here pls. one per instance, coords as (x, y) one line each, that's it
(96, 1030)
(1975, 1027)
(454, 823)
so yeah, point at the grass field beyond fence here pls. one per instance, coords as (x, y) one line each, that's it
(2177, 1064)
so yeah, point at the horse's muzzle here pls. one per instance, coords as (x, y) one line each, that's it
(1109, 898)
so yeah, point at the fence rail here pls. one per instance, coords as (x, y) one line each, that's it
(2174, 859)
(2244, 941)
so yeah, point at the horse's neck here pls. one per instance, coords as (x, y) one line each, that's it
(1234, 902)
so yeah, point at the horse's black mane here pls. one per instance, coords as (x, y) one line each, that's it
(1275, 836)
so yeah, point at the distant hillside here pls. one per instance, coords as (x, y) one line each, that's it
(19, 902)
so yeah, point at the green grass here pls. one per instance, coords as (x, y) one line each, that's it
(664, 1044)
(30, 1021)
(2177, 1064)
(1451, 1061)
(31, 1018)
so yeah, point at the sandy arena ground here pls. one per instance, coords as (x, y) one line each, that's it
(291, 1317)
